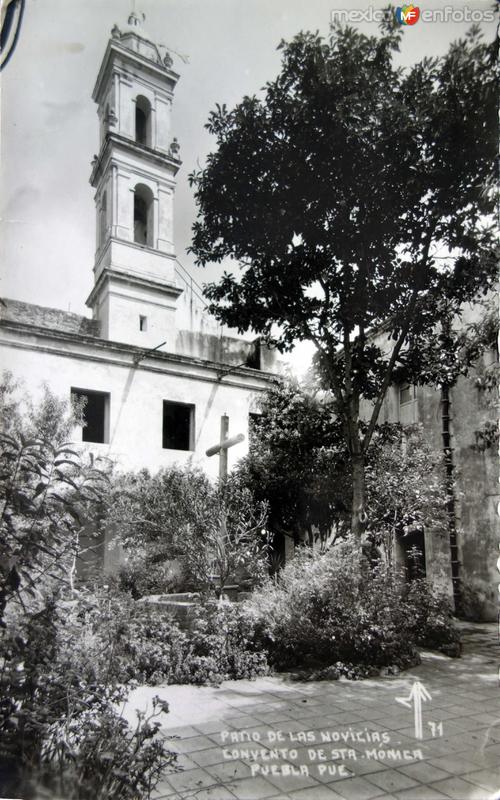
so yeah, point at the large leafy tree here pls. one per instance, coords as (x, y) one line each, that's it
(355, 197)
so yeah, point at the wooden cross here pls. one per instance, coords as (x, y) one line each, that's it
(223, 446)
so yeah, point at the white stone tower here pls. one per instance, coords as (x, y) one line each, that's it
(134, 292)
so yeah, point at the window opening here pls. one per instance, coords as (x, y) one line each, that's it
(178, 426)
(95, 414)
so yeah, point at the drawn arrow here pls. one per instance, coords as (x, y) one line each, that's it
(418, 694)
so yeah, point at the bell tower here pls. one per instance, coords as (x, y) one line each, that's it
(134, 292)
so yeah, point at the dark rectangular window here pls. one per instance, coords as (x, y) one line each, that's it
(178, 426)
(406, 394)
(253, 358)
(143, 323)
(95, 415)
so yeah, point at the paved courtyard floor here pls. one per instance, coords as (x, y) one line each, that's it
(274, 738)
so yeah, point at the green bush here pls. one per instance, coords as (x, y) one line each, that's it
(473, 599)
(150, 646)
(223, 632)
(60, 733)
(430, 621)
(111, 761)
(326, 610)
(142, 578)
(60, 727)
(215, 535)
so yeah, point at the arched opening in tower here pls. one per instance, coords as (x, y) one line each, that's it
(143, 215)
(103, 219)
(143, 121)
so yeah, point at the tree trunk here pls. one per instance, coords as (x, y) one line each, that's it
(358, 515)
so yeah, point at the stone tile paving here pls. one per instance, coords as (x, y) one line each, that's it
(340, 740)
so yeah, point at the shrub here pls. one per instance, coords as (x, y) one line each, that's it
(215, 533)
(150, 647)
(405, 485)
(232, 544)
(430, 621)
(48, 490)
(298, 464)
(326, 610)
(59, 726)
(112, 760)
(141, 578)
(225, 632)
(473, 599)
(59, 721)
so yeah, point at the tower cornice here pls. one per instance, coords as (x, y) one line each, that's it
(115, 51)
(167, 289)
(117, 142)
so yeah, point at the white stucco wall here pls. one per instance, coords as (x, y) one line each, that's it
(137, 394)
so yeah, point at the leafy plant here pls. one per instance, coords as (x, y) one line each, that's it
(59, 726)
(321, 612)
(141, 642)
(429, 623)
(232, 543)
(140, 576)
(486, 437)
(405, 487)
(217, 534)
(48, 493)
(156, 512)
(298, 465)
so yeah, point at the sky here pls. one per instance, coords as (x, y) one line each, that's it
(223, 49)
